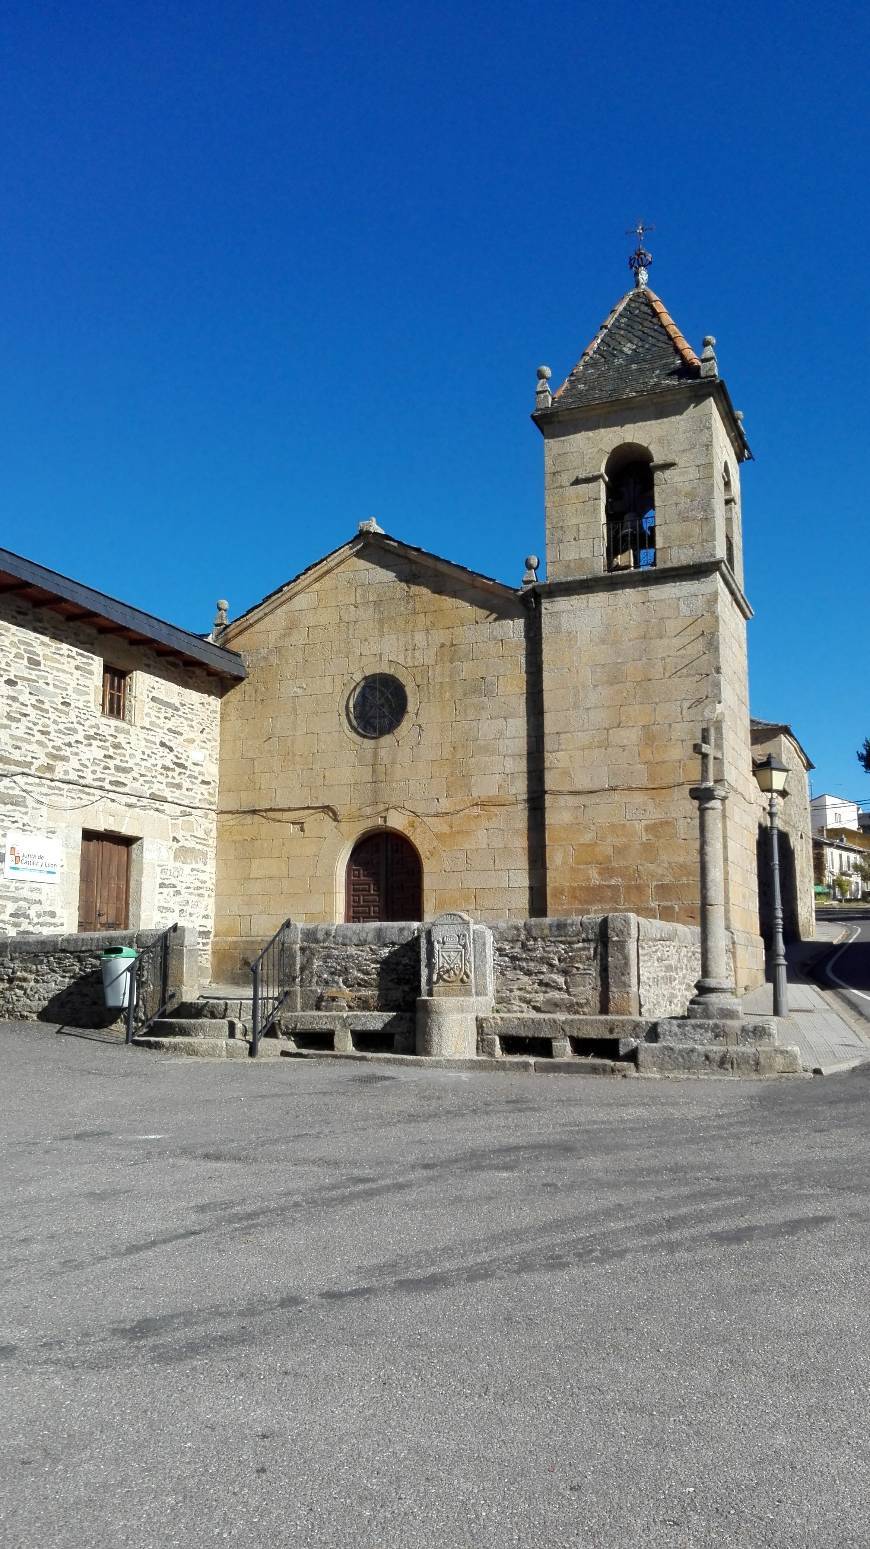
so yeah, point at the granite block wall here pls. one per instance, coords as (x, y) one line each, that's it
(669, 964)
(549, 966)
(358, 967)
(452, 777)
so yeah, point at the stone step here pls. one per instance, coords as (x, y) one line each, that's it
(201, 1028)
(208, 1048)
(210, 1010)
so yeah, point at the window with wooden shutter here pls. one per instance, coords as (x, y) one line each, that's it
(114, 693)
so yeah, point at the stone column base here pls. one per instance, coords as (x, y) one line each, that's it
(447, 1026)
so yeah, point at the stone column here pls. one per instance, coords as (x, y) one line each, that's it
(621, 974)
(183, 965)
(456, 984)
(716, 995)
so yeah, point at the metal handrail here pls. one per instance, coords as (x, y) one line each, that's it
(270, 984)
(166, 996)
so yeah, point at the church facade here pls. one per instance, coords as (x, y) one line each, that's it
(390, 735)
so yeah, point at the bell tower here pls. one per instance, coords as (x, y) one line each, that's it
(643, 621)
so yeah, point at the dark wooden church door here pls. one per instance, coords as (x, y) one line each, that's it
(384, 880)
(104, 883)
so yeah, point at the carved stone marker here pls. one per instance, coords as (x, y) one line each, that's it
(456, 986)
(447, 956)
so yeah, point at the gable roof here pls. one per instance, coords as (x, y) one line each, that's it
(80, 605)
(638, 349)
(762, 731)
(368, 539)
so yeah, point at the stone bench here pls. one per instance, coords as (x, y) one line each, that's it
(559, 1036)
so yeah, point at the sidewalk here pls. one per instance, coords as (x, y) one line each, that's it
(826, 1040)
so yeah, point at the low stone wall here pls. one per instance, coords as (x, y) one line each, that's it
(669, 963)
(58, 978)
(583, 965)
(550, 965)
(579, 966)
(358, 967)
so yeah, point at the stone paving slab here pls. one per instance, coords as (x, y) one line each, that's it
(825, 1039)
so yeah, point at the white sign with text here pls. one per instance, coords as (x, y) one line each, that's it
(31, 857)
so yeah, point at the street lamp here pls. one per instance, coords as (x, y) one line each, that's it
(772, 775)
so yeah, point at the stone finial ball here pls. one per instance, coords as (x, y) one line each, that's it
(709, 340)
(222, 604)
(544, 373)
(532, 562)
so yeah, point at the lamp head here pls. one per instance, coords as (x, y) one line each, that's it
(771, 775)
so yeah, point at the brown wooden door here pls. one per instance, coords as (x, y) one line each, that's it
(104, 886)
(384, 880)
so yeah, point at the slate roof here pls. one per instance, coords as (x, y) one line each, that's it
(638, 349)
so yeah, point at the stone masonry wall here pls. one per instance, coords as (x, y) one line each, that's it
(741, 807)
(360, 967)
(59, 979)
(65, 768)
(628, 673)
(795, 839)
(669, 963)
(679, 436)
(634, 664)
(299, 787)
(549, 966)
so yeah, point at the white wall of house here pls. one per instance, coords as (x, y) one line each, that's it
(833, 812)
(841, 860)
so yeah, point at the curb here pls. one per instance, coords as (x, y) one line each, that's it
(840, 1067)
(817, 974)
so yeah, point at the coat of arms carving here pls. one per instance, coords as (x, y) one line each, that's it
(452, 961)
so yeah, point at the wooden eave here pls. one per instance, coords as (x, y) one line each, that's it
(79, 604)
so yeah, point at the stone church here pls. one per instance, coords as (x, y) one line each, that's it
(390, 735)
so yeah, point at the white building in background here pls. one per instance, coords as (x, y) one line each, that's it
(833, 812)
(836, 857)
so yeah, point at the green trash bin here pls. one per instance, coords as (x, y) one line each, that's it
(117, 975)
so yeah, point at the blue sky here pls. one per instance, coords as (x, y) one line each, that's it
(270, 269)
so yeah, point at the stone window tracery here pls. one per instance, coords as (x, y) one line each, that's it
(377, 705)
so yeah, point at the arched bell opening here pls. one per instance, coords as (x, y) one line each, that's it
(629, 508)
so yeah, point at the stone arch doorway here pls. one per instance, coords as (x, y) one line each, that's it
(383, 879)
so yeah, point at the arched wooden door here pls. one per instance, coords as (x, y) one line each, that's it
(384, 880)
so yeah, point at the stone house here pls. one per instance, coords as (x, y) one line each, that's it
(842, 853)
(389, 734)
(108, 762)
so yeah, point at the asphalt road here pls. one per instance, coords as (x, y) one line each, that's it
(849, 968)
(308, 1305)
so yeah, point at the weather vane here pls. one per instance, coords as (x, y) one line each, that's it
(640, 259)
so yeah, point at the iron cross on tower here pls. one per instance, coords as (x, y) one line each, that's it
(640, 259)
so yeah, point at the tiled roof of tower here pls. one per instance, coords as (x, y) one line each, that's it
(637, 349)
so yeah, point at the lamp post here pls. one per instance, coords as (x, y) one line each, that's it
(772, 775)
